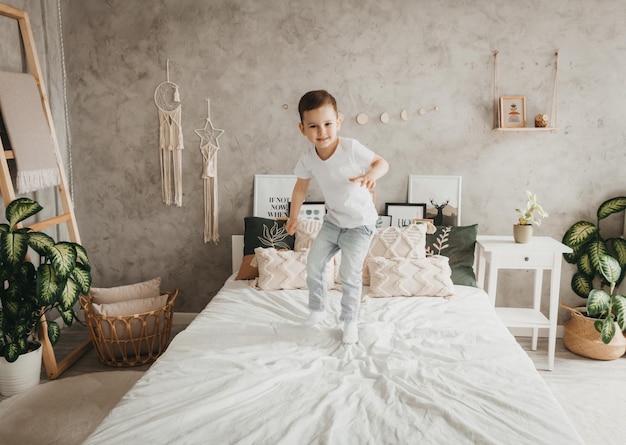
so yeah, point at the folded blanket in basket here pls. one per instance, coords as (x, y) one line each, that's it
(28, 132)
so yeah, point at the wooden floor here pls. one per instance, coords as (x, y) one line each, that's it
(74, 336)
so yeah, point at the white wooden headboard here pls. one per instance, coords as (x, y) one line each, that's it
(236, 252)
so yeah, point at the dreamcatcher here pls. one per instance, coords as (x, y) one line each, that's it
(167, 99)
(209, 147)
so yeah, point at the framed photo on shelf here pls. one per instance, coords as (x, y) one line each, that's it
(402, 213)
(512, 112)
(310, 210)
(442, 195)
(272, 194)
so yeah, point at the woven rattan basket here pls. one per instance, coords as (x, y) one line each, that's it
(580, 337)
(130, 340)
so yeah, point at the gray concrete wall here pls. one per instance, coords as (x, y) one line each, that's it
(254, 59)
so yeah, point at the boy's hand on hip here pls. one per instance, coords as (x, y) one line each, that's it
(364, 181)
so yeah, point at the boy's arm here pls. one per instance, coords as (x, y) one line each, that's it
(378, 168)
(297, 198)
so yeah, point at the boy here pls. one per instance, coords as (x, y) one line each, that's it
(345, 171)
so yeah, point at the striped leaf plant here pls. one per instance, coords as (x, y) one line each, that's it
(609, 308)
(589, 246)
(54, 279)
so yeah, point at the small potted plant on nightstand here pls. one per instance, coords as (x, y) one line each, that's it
(28, 290)
(531, 214)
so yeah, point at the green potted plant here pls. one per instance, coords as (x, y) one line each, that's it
(605, 314)
(531, 214)
(59, 274)
(588, 245)
(609, 308)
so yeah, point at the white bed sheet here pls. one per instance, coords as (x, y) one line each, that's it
(426, 370)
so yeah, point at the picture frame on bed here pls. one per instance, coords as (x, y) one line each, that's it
(402, 213)
(310, 210)
(442, 195)
(512, 112)
(272, 194)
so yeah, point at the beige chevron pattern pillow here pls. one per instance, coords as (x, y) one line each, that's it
(280, 269)
(397, 242)
(410, 277)
(284, 269)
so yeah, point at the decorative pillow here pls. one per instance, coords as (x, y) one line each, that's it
(284, 269)
(261, 232)
(130, 307)
(396, 242)
(458, 244)
(306, 231)
(410, 277)
(146, 289)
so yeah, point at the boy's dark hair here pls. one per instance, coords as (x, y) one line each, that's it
(315, 99)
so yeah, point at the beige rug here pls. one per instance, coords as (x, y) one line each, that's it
(78, 404)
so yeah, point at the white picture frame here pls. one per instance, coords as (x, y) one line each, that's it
(272, 194)
(434, 190)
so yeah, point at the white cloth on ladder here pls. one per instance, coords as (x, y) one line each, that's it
(29, 132)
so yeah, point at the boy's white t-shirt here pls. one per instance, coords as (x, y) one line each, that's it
(348, 204)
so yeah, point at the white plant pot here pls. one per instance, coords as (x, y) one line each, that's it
(22, 374)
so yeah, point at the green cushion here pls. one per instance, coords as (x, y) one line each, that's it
(458, 244)
(264, 232)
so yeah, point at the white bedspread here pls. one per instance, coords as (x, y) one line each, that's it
(425, 371)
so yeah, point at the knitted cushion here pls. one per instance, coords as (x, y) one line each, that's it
(284, 269)
(397, 242)
(408, 277)
(306, 231)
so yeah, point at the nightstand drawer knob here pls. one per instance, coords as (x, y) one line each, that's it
(526, 259)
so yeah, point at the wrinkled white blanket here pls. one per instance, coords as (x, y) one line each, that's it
(426, 370)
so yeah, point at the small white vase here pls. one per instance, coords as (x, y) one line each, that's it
(522, 233)
(20, 375)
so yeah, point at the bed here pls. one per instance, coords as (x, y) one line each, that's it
(425, 370)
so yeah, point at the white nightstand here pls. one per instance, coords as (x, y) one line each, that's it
(541, 253)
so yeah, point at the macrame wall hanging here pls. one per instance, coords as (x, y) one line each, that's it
(167, 99)
(209, 147)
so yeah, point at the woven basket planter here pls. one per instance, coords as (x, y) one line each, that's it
(580, 337)
(130, 340)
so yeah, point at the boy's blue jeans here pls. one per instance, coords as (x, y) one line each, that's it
(353, 244)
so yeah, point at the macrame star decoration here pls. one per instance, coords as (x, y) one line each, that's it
(209, 146)
(209, 134)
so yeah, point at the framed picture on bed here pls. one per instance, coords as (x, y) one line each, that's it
(512, 112)
(272, 194)
(442, 195)
(310, 210)
(402, 214)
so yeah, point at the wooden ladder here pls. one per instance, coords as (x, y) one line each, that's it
(67, 217)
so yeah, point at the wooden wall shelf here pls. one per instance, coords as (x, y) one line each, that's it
(544, 129)
(496, 106)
